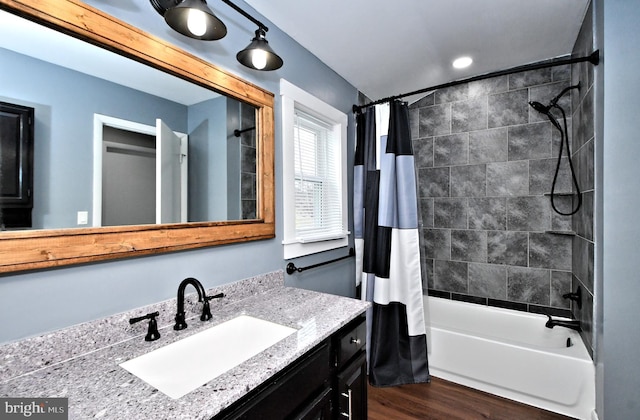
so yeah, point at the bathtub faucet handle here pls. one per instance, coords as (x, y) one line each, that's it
(575, 296)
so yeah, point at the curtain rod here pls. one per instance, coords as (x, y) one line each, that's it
(593, 58)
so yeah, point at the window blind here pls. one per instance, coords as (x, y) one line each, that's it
(318, 196)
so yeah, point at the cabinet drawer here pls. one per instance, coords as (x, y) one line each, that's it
(351, 340)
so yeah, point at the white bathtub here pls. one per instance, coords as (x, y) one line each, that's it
(510, 354)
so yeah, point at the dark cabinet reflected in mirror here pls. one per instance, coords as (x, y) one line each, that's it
(16, 165)
(120, 143)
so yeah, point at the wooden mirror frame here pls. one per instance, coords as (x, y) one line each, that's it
(38, 249)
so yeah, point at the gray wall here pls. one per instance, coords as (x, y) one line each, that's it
(485, 160)
(617, 108)
(207, 160)
(42, 301)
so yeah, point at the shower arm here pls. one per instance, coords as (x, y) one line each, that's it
(555, 100)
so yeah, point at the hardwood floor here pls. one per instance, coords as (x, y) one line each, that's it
(443, 400)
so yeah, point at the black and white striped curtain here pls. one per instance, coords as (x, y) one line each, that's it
(387, 246)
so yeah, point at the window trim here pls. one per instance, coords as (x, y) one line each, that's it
(295, 98)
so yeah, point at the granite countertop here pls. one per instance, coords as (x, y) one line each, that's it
(81, 362)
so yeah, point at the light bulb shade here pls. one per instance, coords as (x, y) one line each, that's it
(194, 19)
(258, 55)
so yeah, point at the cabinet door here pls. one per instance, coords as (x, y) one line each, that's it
(16, 165)
(352, 390)
(319, 409)
(294, 391)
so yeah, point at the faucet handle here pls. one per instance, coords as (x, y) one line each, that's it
(152, 332)
(575, 296)
(206, 309)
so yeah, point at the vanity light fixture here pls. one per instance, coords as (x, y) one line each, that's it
(259, 55)
(193, 18)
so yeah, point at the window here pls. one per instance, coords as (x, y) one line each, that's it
(314, 172)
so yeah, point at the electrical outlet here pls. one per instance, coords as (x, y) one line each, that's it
(83, 217)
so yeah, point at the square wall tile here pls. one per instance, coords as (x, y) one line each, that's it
(508, 178)
(583, 219)
(423, 152)
(414, 123)
(550, 251)
(559, 222)
(426, 212)
(508, 248)
(541, 174)
(582, 265)
(468, 181)
(426, 269)
(437, 244)
(584, 166)
(560, 285)
(433, 182)
(488, 146)
(488, 213)
(528, 213)
(469, 115)
(530, 141)
(586, 115)
(435, 120)
(450, 213)
(451, 276)
(451, 150)
(488, 280)
(469, 245)
(529, 285)
(509, 108)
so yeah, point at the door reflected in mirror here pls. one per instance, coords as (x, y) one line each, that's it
(87, 173)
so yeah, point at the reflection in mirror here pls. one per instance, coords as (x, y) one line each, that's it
(33, 249)
(120, 143)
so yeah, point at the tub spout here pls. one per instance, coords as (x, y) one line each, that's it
(573, 324)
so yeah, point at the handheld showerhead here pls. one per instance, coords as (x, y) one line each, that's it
(539, 107)
(546, 110)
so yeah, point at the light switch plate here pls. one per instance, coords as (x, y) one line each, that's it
(83, 217)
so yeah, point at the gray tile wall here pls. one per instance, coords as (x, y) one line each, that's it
(248, 162)
(583, 157)
(485, 160)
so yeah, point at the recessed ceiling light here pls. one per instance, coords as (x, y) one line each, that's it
(462, 62)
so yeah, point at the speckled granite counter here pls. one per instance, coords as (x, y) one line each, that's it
(82, 362)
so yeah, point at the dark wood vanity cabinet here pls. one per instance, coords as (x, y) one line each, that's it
(16, 165)
(328, 382)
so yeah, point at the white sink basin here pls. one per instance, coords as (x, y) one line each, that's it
(183, 366)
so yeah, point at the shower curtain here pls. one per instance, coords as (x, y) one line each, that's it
(387, 246)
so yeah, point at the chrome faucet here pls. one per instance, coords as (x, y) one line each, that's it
(180, 322)
(573, 324)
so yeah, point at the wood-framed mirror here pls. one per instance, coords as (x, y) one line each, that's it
(39, 249)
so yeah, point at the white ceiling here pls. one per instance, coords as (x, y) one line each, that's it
(385, 48)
